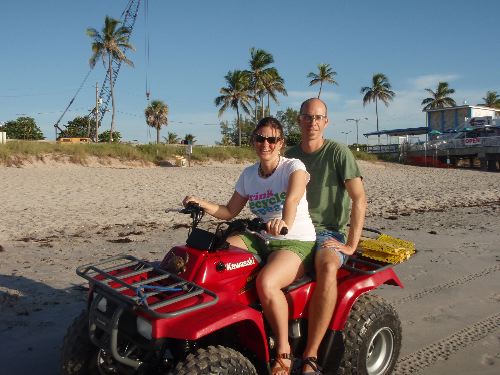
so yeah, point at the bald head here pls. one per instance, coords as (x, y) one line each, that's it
(313, 101)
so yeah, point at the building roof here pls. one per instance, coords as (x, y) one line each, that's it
(461, 106)
(400, 132)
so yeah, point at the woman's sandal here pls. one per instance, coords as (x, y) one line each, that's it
(281, 365)
(313, 363)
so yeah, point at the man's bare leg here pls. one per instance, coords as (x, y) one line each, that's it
(322, 302)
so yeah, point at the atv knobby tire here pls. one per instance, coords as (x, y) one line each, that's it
(78, 355)
(215, 360)
(372, 338)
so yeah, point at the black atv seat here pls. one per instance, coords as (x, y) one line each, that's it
(299, 282)
(353, 264)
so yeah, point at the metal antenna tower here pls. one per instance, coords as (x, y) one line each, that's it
(128, 18)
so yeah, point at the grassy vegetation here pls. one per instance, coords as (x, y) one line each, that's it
(361, 155)
(16, 153)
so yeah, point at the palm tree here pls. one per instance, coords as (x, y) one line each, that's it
(492, 100)
(237, 94)
(439, 98)
(260, 72)
(380, 90)
(325, 74)
(189, 138)
(171, 138)
(110, 45)
(156, 115)
(273, 84)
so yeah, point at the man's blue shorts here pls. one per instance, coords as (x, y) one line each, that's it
(329, 234)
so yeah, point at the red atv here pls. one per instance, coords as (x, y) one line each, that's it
(197, 312)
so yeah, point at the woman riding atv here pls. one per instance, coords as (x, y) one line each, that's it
(275, 189)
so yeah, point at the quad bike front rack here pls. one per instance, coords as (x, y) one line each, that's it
(145, 287)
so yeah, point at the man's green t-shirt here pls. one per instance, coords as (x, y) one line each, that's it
(329, 167)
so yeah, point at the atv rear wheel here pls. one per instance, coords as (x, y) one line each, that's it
(372, 338)
(215, 360)
(79, 356)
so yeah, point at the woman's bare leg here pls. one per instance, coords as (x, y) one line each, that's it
(282, 268)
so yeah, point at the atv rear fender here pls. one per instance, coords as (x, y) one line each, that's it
(350, 289)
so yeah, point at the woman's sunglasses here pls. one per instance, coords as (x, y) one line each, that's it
(271, 140)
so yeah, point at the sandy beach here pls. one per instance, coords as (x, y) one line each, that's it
(56, 216)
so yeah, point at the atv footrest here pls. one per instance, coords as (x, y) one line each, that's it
(146, 286)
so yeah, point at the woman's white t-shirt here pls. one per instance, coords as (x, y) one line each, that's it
(266, 197)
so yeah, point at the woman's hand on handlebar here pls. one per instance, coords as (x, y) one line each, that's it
(192, 200)
(276, 227)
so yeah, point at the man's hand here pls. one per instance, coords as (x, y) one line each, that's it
(337, 245)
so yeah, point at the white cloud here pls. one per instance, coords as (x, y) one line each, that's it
(431, 81)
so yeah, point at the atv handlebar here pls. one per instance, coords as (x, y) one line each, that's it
(251, 225)
(283, 231)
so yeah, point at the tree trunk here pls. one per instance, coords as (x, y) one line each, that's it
(158, 135)
(376, 112)
(255, 109)
(239, 126)
(112, 100)
(320, 87)
(262, 106)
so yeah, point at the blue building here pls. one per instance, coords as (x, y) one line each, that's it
(443, 119)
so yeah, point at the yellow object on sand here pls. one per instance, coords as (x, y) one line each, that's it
(180, 161)
(387, 249)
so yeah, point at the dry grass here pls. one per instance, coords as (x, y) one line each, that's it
(19, 153)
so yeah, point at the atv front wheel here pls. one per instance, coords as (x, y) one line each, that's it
(79, 356)
(372, 338)
(215, 360)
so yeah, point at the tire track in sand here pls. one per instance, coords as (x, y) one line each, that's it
(463, 280)
(441, 350)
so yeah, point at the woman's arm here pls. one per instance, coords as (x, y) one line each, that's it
(295, 191)
(224, 212)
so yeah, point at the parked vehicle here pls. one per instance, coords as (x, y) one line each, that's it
(197, 312)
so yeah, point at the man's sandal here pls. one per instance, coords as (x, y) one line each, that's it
(313, 363)
(281, 365)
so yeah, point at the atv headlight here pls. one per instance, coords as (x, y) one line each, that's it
(144, 327)
(102, 305)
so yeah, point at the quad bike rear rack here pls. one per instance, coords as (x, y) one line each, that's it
(119, 276)
(363, 266)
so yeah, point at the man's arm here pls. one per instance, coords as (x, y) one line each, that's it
(357, 194)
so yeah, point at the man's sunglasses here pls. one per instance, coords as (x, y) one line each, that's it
(271, 140)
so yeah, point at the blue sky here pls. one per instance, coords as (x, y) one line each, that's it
(194, 43)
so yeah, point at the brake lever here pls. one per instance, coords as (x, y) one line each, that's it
(262, 226)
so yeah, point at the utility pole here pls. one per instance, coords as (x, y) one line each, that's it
(88, 126)
(346, 137)
(96, 112)
(357, 120)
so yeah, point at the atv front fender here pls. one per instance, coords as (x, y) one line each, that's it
(242, 320)
(350, 290)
